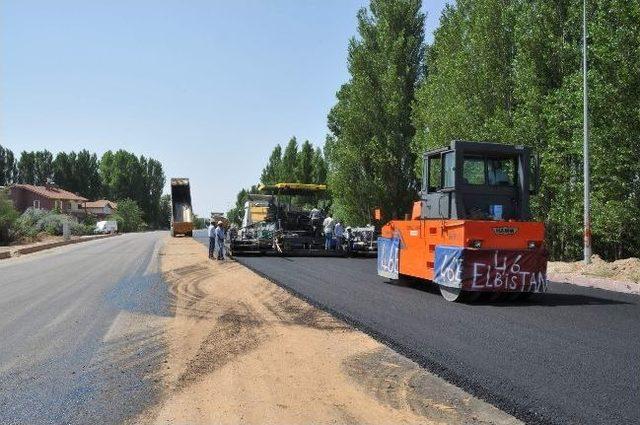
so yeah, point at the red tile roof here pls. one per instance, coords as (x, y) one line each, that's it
(101, 203)
(52, 192)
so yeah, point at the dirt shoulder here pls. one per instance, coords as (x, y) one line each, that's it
(243, 350)
(619, 275)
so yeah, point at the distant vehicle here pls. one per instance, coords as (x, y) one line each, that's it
(181, 210)
(106, 226)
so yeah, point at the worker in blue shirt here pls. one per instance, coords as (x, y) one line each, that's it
(220, 240)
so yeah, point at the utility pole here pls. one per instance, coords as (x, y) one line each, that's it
(585, 102)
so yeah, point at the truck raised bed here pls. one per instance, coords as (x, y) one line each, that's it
(181, 209)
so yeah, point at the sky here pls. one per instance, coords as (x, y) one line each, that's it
(208, 88)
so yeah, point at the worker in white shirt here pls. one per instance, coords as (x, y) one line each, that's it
(211, 231)
(328, 224)
(220, 240)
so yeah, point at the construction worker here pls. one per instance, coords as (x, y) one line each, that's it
(328, 224)
(338, 231)
(219, 237)
(349, 239)
(316, 218)
(211, 231)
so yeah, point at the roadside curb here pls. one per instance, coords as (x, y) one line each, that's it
(31, 249)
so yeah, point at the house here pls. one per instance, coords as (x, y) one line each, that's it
(101, 208)
(47, 197)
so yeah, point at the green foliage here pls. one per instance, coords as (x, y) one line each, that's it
(369, 155)
(319, 167)
(35, 221)
(304, 163)
(90, 220)
(288, 168)
(236, 214)
(117, 175)
(304, 166)
(198, 222)
(129, 216)
(8, 216)
(8, 167)
(511, 72)
(271, 173)
(141, 179)
(164, 221)
(35, 167)
(78, 173)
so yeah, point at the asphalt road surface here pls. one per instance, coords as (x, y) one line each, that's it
(79, 332)
(568, 356)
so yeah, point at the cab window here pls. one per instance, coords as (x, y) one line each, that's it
(501, 172)
(449, 169)
(435, 173)
(473, 170)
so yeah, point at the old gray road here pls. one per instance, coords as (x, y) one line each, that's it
(570, 356)
(80, 331)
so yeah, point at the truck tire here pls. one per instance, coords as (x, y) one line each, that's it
(189, 234)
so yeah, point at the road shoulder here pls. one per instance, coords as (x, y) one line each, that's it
(243, 350)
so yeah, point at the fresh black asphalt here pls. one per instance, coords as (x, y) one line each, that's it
(569, 356)
(80, 340)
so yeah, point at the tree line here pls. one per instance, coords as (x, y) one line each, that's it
(505, 71)
(118, 175)
(296, 164)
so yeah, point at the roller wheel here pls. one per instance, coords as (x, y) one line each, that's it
(451, 294)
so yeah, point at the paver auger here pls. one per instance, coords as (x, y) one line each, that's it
(471, 231)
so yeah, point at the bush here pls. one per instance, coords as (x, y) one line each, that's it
(90, 220)
(34, 221)
(129, 216)
(79, 229)
(8, 216)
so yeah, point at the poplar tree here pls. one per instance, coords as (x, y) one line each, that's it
(271, 172)
(368, 150)
(304, 166)
(289, 161)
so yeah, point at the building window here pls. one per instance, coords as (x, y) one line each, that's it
(36, 204)
(57, 205)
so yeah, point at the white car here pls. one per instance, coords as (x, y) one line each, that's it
(105, 227)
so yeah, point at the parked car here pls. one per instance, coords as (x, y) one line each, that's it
(105, 227)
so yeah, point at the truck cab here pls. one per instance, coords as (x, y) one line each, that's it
(471, 229)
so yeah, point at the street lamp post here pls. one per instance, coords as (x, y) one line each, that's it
(585, 102)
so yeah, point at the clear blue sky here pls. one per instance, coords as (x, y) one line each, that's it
(206, 87)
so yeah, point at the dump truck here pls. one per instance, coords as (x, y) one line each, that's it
(181, 209)
(471, 230)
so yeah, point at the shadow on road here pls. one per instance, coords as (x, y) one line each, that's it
(549, 299)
